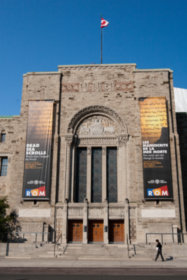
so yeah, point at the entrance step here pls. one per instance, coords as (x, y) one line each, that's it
(91, 251)
(27, 249)
(94, 252)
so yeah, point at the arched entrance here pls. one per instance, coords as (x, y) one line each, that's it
(96, 148)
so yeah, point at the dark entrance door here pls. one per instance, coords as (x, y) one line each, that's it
(95, 233)
(75, 230)
(116, 231)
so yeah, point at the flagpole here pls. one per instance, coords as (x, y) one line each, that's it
(101, 46)
(103, 24)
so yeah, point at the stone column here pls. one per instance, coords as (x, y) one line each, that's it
(55, 159)
(73, 170)
(122, 167)
(127, 221)
(64, 222)
(68, 139)
(104, 178)
(45, 232)
(61, 171)
(89, 163)
(85, 222)
(54, 178)
(106, 223)
(59, 222)
(175, 233)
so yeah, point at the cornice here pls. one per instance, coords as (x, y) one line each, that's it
(153, 70)
(41, 73)
(95, 66)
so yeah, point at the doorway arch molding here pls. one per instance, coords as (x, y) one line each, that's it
(96, 110)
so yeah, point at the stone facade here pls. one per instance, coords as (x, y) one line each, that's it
(95, 106)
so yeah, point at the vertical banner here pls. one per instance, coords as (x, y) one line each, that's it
(156, 149)
(37, 169)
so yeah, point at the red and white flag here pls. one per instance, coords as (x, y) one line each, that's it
(104, 22)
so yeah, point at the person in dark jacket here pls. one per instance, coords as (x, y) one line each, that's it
(159, 250)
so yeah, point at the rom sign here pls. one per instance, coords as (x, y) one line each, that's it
(36, 183)
(155, 148)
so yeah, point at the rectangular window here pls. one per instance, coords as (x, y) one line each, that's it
(96, 175)
(3, 137)
(4, 166)
(81, 175)
(112, 174)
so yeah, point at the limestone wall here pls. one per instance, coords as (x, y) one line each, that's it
(76, 89)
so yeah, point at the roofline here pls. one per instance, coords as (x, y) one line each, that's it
(9, 117)
(154, 70)
(97, 65)
(41, 73)
(76, 66)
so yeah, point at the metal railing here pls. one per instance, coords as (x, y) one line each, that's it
(34, 237)
(165, 237)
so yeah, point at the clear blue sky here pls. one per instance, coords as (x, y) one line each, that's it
(39, 35)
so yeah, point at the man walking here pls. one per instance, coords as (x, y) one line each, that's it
(159, 250)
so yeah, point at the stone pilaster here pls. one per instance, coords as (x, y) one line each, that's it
(68, 139)
(106, 223)
(89, 163)
(122, 167)
(127, 225)
(104, 185)
(85, 222)
(65, 222)
(73, 174)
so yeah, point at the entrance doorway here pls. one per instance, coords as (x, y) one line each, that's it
(95, 233)
(116, 231)
(75, 231)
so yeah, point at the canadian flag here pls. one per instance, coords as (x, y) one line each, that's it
(104, 22)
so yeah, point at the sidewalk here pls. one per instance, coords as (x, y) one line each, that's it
(61, 263)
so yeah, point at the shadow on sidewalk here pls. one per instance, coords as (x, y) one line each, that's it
(170, 258)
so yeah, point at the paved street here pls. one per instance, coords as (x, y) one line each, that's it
(80, 277)
(93, 273)
(61, 269)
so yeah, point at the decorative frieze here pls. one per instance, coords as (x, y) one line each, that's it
(97, 126)
(103, 86)
(95, 110)
(128, 67)
(97, 141)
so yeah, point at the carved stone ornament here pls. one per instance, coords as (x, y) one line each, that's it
(122, 139)
(69, 139)
(97, 126)
(95, 110)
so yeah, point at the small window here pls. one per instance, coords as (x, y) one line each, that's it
(3, 137)
(4, 166)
